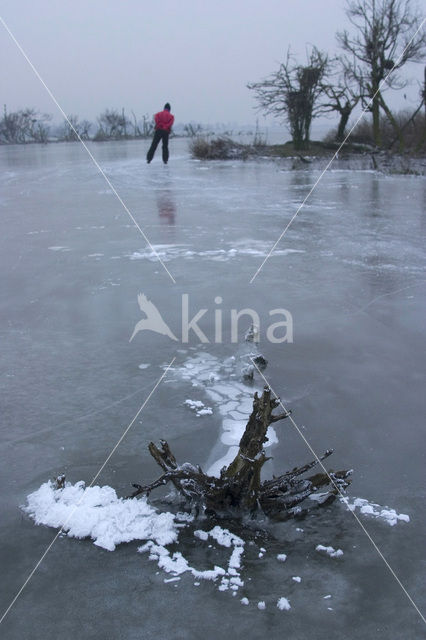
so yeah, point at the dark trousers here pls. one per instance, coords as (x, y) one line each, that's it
(159, 134)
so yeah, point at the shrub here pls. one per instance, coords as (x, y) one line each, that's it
(413, 132)
(218, 149)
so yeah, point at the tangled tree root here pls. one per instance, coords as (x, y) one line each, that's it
(239, 487)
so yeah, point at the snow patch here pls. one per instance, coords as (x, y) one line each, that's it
(202, 535)
(97, 513)
(244, 247)
(390, 516)
(199, 407)
(330, 551)
(176, 564)
(283, 604)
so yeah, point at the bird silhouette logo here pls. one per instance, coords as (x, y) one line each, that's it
(153, 320)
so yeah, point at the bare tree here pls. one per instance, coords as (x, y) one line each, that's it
(385, 39)
(73, 128)
(11, 127)
(26, 125)
(137, 133)
(339, 94)
(147, 126)
(39, 130)
(112, 125)
(292, 93)
(192, 130)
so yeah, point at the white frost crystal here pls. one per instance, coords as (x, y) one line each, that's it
(330, 551)
(97, 513)
(283, 604)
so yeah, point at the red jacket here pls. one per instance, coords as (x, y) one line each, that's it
(164, 120)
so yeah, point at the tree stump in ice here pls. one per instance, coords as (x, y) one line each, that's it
(239, 487)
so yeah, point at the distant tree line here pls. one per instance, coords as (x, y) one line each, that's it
(29, 125)
(26, 125)
(386, 35)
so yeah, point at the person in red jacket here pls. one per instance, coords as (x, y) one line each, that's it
(163, 124)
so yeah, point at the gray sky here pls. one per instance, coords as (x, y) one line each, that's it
(196, 54)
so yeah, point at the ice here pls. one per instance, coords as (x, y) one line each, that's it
(272, 437)
(261, 605)
(281, 557)
(244, 601)
(246, 406)
(226, 407)
(232, 431)
(234, 401)
(97, 513)
(231, 425)
(226, 391)
(231, 438)
(65, 355)
(283, 604)
(213, 395)
(239, 415)
(214, 469)
(297, 579)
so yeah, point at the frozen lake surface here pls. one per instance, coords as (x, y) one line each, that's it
(351, 272)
